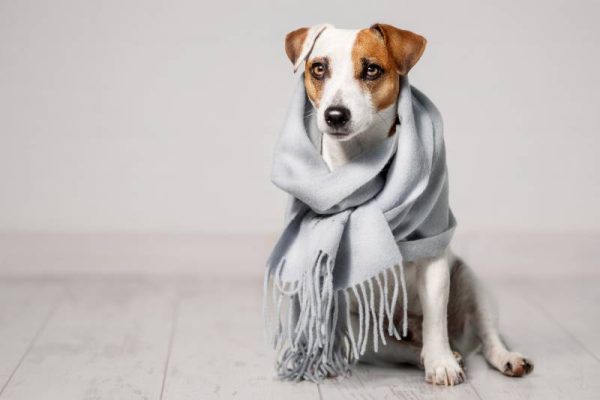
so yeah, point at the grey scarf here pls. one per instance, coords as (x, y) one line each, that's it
(348, 232)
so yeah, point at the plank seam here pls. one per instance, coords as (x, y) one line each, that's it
(38, 333)
(170, 348)
(319, 392)
(563, 328)
(474, 389)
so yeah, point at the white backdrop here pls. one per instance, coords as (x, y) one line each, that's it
(162, 115)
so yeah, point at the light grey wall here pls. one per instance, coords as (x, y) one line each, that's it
(161, 115)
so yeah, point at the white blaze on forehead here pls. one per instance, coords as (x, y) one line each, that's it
(342, 88)
(335, 43)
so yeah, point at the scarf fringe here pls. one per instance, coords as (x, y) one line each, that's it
(306, 331)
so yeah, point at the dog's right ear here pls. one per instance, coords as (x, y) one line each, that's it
(300, 42)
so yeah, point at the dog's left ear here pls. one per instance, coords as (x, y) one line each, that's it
(405, 47)
(300, 42)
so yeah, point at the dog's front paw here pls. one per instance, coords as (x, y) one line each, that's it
(515, 364)
(443, 368)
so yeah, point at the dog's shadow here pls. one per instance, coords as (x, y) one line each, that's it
(403, 380)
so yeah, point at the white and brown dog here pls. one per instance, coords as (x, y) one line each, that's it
(352, 80)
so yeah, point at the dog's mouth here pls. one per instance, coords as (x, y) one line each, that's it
(340, 135)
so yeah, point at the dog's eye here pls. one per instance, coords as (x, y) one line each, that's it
(318, 70)
(372, 72)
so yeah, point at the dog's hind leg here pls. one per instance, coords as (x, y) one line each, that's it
(485, 320)
(394, 352)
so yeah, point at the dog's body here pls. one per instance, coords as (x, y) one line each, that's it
(352, 80)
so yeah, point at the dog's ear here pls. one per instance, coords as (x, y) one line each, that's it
(405, 47)
(300, 42)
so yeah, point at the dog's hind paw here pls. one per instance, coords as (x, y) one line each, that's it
(517, 365)
(459, 359)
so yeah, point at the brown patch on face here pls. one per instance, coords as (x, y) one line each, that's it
(315, 87)
(370, 48)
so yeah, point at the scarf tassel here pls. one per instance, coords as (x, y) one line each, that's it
(312, 329)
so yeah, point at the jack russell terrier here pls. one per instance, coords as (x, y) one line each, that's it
(352, 78)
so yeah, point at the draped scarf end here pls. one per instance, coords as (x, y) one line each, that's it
(309, 322)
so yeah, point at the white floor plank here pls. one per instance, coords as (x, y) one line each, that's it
(25, 307)
(110, 338)
(574, 305)
(563, 368)
(219, 349)
(107, 340)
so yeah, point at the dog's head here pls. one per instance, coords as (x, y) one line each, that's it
(352, 75)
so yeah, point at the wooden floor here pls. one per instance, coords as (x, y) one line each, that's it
(111, 331)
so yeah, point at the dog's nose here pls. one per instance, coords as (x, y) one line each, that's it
(337, 116)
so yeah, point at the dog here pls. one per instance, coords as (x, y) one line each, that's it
(352, 79)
